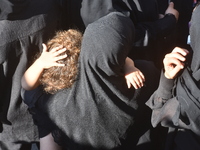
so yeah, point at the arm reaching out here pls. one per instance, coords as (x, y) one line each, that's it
(174, 62)
(171, 10)
(30, 79)
(133, 75)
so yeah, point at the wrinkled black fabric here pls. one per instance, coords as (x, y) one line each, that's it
(144, 15)
(40, 118)
(152, 33)
(99, 111)
(24, 26)
(181, 112)
(11, 8)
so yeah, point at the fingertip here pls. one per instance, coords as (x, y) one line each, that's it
(181, 66)
(43, 44)
(44, 47)
(65, 56)
(186, 51)
(62, 65)
(171, 3)
(129, 86)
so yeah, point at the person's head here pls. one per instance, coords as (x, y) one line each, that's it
(56, 78)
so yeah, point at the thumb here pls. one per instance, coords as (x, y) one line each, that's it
(44, 47)
(171, 4)
(176, 70)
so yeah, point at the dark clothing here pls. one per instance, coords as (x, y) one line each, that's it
(24, 26)
(44, 124)
(185, 8)
(176, 104)
(99, 111)
(154, 37)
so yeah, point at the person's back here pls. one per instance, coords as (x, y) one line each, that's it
(99, 111)
(24, 25)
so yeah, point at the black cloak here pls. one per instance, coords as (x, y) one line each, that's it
(99, 111)
(152, 33)
(178, 107)
(144, 14)
(154, 37)
(24, 26)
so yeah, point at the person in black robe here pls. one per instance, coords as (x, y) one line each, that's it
(24, 26)
(99, 111)
(176, 102)
(152, 33)
(55, 69)
(185, 8)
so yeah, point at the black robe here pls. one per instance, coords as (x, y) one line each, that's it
(152, 33)
(24, 26)
(176, 104)
(99, 111)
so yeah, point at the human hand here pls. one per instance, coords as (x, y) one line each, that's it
(171, 10)
(49, 58)
(174, 62)
(134, 78)
(161, 16)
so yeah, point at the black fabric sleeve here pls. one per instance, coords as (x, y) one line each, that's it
(161, 101)
(165, 107)
(152, 30)
(162, 94)
(165, 87)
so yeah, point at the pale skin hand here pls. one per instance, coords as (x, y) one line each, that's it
(174, 62)
(133, 75)
(30, 79)
(171, 10)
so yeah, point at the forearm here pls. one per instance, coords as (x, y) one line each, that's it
(30, 79)
(128, 63)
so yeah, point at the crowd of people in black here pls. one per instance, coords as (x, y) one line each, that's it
(99, 75)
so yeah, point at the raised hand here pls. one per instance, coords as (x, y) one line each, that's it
(174, 62)
(30, 79)
(49, 58)
(171, 10)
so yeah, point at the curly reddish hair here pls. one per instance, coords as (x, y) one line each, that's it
(57, 78)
